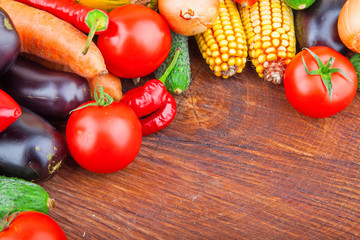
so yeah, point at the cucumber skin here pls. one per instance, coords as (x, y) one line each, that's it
(355, 61)
(22, 195)
(179, 78)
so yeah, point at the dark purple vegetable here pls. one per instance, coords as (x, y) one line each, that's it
(317, 25)
(31, 148)
(9, 42)
(49, 93)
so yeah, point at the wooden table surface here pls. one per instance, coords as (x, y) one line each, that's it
(238, 162)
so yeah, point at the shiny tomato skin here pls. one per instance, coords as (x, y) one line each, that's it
(104, 139)
(136, 42)
(32, 225)
(307, 93)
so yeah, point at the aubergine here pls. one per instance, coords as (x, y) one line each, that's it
(31, 148)
(317, 26)
(51, 94)
(9, 42)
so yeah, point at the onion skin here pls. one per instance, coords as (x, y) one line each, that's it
(189, 17)
(348, 25)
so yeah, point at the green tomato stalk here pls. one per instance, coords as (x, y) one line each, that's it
(325, 71)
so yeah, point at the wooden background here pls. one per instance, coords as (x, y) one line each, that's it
(238, 162)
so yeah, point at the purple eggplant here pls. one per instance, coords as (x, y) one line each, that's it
(49, 93)
(31, 148)
(9, 42)
(317, 25)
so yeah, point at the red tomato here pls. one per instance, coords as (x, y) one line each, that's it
(136, 42)
(32, 225)
(308, 94)
(104, 139)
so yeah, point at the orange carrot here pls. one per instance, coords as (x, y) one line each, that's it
(53, 39)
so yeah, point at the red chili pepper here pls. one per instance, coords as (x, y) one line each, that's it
(84, 18)
(9, 110)
(161, 118)
(147, 98)
(152, 103)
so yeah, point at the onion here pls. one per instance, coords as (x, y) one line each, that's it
(189, 17)
(349, 25)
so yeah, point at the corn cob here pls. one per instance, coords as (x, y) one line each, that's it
(108, 5)
(223, 46)
(269, 29)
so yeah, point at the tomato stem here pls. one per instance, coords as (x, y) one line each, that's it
(5, 222)
(325, 71)
(100, 96)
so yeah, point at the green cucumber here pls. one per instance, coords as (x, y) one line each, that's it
(21, 195)
(355, 61)
(179, 78)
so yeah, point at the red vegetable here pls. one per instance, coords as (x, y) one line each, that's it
(84, 18)
(152, 103)
(320, 82)
(9, 110)
(103, 136)
(161, 118)
(137, 41)
(30, 225)
(245, 3)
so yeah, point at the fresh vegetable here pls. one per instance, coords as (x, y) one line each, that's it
(348, 25)
(161, 118)
(299, 4)
(9, 42)
(86, 19)
(189, 17)
(180, 76)
(30, 225)
(355, 61)
(224, 51)
(56, 40)
(109, 5)
(317, 26)
(103, 136)
(246, 3)
(271, 40)
(9, 110)
(152, 103)
(136, 43)
(31, 149)
(21, 195)
(320, 82)
(49, 93)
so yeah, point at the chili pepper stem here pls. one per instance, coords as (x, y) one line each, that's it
(96, 20)
(171, 66)
(90, 36)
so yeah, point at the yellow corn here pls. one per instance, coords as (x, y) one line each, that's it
(269, 29)
(223, 46)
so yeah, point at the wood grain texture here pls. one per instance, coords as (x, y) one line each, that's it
(238, 162)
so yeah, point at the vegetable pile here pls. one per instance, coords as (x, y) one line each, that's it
(62, 62)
